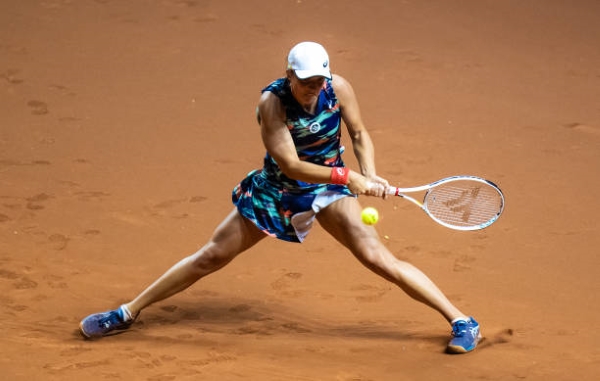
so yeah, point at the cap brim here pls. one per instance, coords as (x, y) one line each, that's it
(303, 74)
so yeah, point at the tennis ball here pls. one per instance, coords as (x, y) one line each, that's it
(369, 216)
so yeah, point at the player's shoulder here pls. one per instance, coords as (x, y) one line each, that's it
(338, 80)
(270, 105)
(269, 100)
(341, 86)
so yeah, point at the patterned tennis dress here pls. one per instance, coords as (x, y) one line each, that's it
(278, 205)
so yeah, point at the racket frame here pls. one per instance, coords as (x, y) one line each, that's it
(401, 192)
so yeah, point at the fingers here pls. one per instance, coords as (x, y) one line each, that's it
(376, 189)
(380, 188)
(380, 180)
(374, 186)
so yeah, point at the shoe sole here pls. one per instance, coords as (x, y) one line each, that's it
(457, 350)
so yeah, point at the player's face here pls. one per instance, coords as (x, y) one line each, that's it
(306, 91)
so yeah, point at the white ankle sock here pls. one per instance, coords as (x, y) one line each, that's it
(459, 318)
(126, 313)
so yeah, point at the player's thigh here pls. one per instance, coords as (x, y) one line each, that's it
(342, 220)
(234, 235)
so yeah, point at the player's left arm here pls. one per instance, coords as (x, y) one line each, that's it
(362, 144)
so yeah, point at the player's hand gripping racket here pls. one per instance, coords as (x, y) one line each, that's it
(458, 202)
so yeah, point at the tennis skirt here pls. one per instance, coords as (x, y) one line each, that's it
(287, 214)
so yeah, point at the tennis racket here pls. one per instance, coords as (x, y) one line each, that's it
(458, 202)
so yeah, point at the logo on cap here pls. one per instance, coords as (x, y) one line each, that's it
(325, 63)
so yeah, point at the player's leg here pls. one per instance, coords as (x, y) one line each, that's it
(233, 236)
(342, 220)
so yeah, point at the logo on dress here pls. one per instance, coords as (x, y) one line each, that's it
(314, 127)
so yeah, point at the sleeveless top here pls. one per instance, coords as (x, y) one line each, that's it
(316, 136)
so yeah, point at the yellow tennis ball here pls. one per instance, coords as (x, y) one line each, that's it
(369, 216)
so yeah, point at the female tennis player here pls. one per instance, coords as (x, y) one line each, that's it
(303, 178)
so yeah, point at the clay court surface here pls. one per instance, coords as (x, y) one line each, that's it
(124, 125)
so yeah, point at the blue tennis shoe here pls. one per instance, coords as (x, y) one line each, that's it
(466, 336)
(105, 323)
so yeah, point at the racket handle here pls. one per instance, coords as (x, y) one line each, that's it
(392, 191)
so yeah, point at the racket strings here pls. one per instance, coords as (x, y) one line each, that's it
(464, 203)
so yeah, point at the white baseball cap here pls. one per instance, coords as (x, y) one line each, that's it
(309, 59)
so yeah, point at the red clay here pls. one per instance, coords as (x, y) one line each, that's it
(125, 125)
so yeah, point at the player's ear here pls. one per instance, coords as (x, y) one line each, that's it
(289, 74)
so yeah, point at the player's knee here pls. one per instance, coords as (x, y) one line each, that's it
(373, 255)
(210, 258)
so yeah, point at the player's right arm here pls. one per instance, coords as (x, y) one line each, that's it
(280, 145)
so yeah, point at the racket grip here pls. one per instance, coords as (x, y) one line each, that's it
(392, 191)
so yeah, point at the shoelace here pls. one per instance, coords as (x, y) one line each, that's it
(111, 319)
(459, 328)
